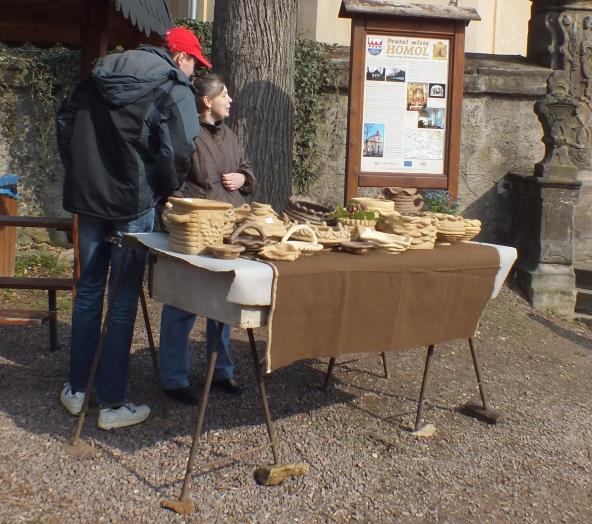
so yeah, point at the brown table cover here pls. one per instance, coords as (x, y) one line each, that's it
(331, 303)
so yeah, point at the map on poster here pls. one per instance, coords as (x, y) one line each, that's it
(405, 104)
(423, 145)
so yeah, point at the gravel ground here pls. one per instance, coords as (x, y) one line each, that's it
(364, 464)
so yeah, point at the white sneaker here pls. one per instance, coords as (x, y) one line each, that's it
(126, 415)
(72, 401)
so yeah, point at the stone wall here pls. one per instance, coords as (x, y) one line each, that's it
(500, 133)
(40, 187)
(29, 150)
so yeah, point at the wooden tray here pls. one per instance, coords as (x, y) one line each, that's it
(355, 247)
(225, 251)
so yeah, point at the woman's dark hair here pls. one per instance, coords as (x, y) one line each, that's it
(210, 84)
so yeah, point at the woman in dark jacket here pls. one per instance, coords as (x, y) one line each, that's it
(219, 171)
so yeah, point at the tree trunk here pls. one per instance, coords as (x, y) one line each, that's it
(253, 48)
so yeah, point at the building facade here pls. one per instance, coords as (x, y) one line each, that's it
(201, 10)
(503, 28)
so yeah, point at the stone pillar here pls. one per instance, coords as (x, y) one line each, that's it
(560, 37)
(544, 204)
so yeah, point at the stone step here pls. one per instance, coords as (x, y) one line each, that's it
(583, 277)
(584, 317)
(584, 301)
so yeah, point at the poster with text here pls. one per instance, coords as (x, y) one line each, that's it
(405, 104)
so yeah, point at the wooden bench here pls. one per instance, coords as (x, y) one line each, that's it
(25, 317)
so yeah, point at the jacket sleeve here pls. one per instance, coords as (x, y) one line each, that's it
(177, 132)
(196, 184)
(245, 168)
(65, 120)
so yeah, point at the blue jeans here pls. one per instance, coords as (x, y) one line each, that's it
(175, 357)
(96, 255)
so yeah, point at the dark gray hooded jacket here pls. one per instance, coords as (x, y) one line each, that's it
(126, 135)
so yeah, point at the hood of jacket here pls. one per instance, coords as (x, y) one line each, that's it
(123, 78)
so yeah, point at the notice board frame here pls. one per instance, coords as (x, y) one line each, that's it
(401, 25)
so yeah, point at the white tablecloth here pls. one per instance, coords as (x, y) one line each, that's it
(251, 280)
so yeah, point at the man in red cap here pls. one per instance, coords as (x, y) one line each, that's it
(184, 46)
(125, 136)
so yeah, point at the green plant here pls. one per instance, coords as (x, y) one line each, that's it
(355, 211)
(64, 302)
(38, 262)
(6, 295)
(439, 201)
(310, 76)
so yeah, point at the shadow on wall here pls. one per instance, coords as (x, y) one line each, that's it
(494, 209)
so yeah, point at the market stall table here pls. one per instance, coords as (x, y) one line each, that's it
(330, 304)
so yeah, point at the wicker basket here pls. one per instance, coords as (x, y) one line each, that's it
(195, 223)
(326, 235)
(251, 243)
(304, 247)
(267, 219)
(449, 238)
(472, 228)
(303, 210)
(379, 205)
(421, 230)
(355, 222)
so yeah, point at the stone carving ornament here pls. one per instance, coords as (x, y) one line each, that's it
(568, 28)
(551, 25)
(575, 52)
(565, 134)
(586, 56)
(568, 50)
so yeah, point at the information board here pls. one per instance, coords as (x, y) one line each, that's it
(405, 94)
(405, 104)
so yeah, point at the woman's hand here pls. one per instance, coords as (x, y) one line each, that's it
(233, 181)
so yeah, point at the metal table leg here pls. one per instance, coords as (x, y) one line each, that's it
(483, 412)
(424, 387)
(76, 447)
(263, 397)
(184, 504)
(151, 344)
(329, 373)
(385, 365)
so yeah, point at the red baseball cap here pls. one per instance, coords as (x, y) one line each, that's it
(183, 40)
